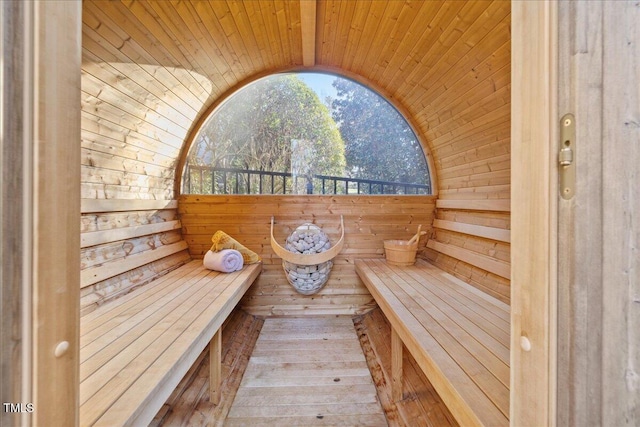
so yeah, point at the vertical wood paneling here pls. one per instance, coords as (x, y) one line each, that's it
(15, 250)
(353, 38)
(437, 19)
(580, 289)
(308, 9)
(53, 113)
(599, 279)
(534, 214)
(411, 23)
(621, 258)
(368, 221)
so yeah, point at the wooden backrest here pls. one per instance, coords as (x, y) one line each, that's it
(471, 240)
(126, 243)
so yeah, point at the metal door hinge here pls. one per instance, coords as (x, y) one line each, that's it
(567, 155)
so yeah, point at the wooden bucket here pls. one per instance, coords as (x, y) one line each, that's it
(400, 252)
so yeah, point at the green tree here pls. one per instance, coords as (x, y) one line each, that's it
(259, 126)
(379, 144)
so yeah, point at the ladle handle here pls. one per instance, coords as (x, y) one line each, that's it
(417, 236)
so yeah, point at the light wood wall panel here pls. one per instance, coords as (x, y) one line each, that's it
(15, 277)
(151, 69)
(448, 65)
(123, 249)
(368, 222)
(474, 237)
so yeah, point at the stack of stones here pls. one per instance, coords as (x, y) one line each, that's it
(307, 239)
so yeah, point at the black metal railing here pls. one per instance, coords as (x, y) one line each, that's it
(209, 180)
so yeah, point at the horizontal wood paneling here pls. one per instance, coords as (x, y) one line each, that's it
(368, 221)
(485, 281)
(474, 230)
(122, 249)
(484, 262)
(95, 274)
(99, 237)
(474, 245)
(151, 69)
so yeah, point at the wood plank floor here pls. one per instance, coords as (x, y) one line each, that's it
(420, 404)
(307, 371)
(189, 406)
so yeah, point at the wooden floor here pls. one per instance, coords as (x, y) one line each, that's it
(189, 406)
(307, 371)
(420, 404)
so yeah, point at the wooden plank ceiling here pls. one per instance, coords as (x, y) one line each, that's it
(151, 68)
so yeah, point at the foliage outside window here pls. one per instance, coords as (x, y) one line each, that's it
(276, 136)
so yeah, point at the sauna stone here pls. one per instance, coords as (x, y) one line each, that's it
(308, 239)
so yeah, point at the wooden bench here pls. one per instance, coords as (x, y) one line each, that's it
(135, 350)
(458, 335)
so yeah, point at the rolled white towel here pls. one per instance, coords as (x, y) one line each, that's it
(226, 260)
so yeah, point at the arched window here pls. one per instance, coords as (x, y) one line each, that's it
(305, 133)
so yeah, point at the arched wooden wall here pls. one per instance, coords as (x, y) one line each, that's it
(150, 69)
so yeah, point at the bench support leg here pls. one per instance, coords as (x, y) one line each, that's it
(215, 368)
(396, 366)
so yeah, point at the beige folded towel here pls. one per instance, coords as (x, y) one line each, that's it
(222, 240)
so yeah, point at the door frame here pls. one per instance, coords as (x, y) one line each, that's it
(41, 236)
(534, 213)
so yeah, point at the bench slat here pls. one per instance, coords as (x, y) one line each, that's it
(484, 312)
(459, 320)
(123, 205)
(153, 336)
(179, 357)
(500, 205)
(126, 316)
(486, 370)
(113, 309)
(492, 319)
(142, 328)
(503, 309)
(125, 367)
(448, 354)
(94, 238)
(493, 233)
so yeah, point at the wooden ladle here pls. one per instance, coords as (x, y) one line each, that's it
(417, 235)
